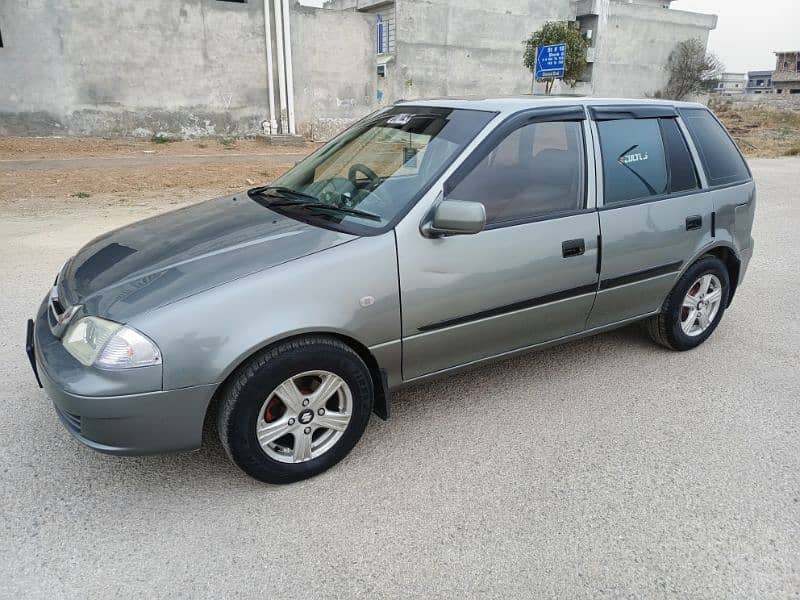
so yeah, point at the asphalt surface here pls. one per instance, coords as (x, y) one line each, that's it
(603, 468)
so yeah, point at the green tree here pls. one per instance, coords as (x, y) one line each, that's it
(558, 33)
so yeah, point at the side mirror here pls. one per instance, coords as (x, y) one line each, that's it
(455, 217)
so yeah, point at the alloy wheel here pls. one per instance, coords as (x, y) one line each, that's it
(701, 305)
(304, 416)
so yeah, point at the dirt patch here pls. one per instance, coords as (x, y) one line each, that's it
(24, 148)
(762, 131)
(83, 184)
(79, 169)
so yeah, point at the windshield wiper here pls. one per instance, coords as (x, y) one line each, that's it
(305, 201)
(280, 192)
(332, 207)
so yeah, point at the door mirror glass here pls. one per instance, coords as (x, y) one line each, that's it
(456, 217)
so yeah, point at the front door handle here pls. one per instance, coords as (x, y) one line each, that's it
(694, 222)
(573, 248)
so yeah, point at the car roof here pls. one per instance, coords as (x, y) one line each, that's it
(518, 103)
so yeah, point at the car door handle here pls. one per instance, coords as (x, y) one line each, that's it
(573, 248)
(694, 222)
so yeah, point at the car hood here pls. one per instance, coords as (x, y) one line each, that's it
(165, 258)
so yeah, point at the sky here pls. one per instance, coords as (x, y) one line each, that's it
(749, 31)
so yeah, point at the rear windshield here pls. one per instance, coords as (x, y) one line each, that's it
(721, 158)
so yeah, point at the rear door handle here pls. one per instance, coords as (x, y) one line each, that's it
(573, 248)
(694, 222)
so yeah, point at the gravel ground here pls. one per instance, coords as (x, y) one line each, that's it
(48, 148)
(603, 468)
(35, 171)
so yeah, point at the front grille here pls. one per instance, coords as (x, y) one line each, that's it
(60, 313)
(71, 422)
(58, 308)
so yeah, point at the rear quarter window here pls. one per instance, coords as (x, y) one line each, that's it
(721, 159)
(682, 174)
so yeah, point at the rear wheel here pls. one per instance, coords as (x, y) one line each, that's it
(694, 308)
(296, 409)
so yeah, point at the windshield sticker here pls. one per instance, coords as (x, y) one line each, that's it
(632, 158)
(401, 119)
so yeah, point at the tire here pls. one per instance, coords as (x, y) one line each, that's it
(667, 328)
(255, 395)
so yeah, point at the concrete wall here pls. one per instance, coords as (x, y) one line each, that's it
(187, 67)
(198, 67)
(334, 69)
(781, 101)
(473, 47)
(633, 43)
(465, 47)
(176, 67)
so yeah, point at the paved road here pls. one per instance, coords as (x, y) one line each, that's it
(604, 468)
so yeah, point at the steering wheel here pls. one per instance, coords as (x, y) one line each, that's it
(371, 175)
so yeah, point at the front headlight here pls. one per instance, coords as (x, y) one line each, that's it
(96, 341)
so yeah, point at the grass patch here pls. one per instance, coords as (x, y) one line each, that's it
(763, 131)
(81, 195)
(161, 139)
(228, 143)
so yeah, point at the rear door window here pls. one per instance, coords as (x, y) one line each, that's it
(634, 160)
(721, 159)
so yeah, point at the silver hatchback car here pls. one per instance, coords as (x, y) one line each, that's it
(428, 237)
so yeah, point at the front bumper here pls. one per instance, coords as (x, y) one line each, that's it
(137, 423)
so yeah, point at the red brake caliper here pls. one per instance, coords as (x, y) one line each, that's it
(685, 309)
(271, 412)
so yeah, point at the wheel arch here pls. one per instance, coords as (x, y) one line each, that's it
(381, 405)
(732, 262)
(727, 254)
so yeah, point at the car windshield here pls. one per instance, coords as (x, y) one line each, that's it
(372, 173)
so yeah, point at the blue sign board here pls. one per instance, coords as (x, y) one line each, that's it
(550, 61)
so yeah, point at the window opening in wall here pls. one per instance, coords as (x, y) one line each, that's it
(381, 70)
(1, 39)
(381, 28)
(384, 29)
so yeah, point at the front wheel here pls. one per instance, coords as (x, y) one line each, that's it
(296, 409)
(694, 307)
